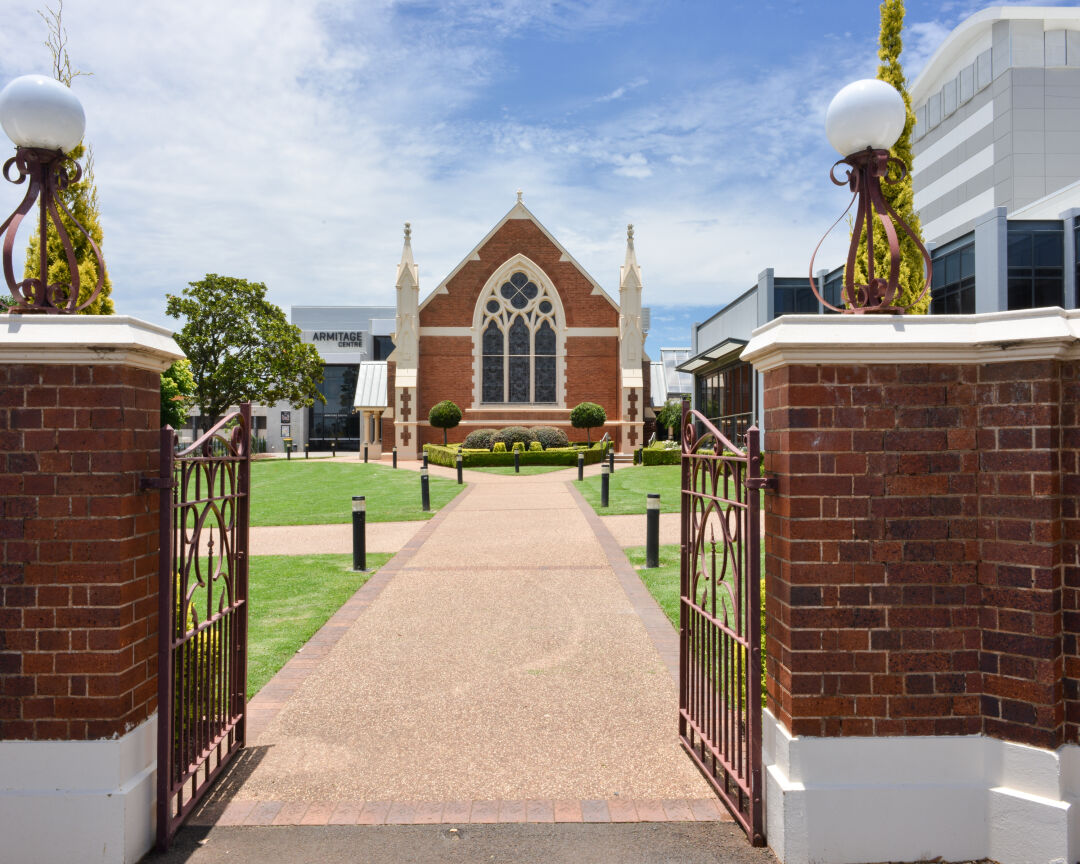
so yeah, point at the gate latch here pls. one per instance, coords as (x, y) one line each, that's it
(761, 483)
(147, 483)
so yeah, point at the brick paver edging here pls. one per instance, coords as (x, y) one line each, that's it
(266, 813)
(665, 638)
(272, 697)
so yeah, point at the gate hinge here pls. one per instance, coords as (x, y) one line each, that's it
(147, 483)
(761, 483)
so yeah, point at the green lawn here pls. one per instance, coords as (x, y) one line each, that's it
(629, 486)
(303, 492)
(292, 596)
(662, 581)
(525, 469)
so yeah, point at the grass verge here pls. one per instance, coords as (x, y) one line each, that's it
(302, 492)
(292, 596)
(629, 486)
(662, 581)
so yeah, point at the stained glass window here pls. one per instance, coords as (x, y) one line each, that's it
(493, 363)
(519, 361)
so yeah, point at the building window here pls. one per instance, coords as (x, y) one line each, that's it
(1036, 265)
(833, 290)
(381, 347)
(518, 345)
(335, 421)
(726, 397)
(793, 297)
(952, 287)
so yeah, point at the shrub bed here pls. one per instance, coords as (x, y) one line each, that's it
(660, 456)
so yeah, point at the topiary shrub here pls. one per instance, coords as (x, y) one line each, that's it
(512, 434)
(444, 415)
(587, 416)
(498, 447)
(549, 437)
(536, 446)
(479, 439)
(519, 446)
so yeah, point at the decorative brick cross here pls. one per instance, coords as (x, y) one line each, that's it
(406, 396)
(632, 413)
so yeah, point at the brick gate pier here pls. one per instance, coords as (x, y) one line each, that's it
(922, 578)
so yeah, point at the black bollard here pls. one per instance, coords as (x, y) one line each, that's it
(306, 448)
(288, 452)
(652, 530)
(611, 459)
(425, 494)
(359, 541)
(605, 476)
(517, 461)
(365, 453)
(395, 457)
(333, 449)
(580, 466)
(459, 469)
(425, 458)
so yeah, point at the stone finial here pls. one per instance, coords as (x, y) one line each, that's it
(408, 230)
(519, 194)
(630, 234)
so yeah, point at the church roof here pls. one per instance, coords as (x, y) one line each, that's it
(518, 211)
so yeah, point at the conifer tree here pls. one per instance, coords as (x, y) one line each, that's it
(900, 195)
(80, 198)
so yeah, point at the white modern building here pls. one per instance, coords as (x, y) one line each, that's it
(996, 180)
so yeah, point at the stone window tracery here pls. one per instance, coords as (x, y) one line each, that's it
(518, 343)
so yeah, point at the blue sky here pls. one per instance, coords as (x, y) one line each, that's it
(286, 141)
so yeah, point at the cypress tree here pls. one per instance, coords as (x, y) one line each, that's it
(80, 199)
(900, 195)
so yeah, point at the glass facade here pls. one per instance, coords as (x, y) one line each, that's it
(952, 287)
(793, 297)
(834, 290)
(1036, 260)
(726, 397)
(335, 422)
(381, 347)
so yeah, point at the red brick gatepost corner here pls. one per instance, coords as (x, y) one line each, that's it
(922, 583)
(79, 428)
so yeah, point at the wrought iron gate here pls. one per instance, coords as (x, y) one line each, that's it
(202, 613)
(720, 616)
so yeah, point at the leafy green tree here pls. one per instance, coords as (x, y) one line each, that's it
(899, 195)
(444, 415)
(242, 348)
(670, 416)
(587, 416)
(80, 199)
(177, 387)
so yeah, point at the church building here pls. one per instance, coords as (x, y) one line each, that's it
(517, 334)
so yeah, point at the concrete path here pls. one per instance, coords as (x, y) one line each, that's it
(499, 668)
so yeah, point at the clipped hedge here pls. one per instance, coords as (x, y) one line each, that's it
(479, 439)
(512, 435)
(657, 456)
(550, 437)
(439, 455)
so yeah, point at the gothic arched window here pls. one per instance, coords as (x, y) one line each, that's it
(518, 343)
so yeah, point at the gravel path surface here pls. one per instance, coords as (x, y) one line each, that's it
(502, 660)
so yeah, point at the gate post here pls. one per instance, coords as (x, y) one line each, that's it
(921, 574)
(79, 421)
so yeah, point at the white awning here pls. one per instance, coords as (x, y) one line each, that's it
(371, 385)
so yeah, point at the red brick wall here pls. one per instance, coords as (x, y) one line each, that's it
(78, 576)
(1070, 548)
(914, 550)
(447, 363)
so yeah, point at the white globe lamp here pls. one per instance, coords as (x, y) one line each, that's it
(867, 113)
(41, 113)
(46, 122)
